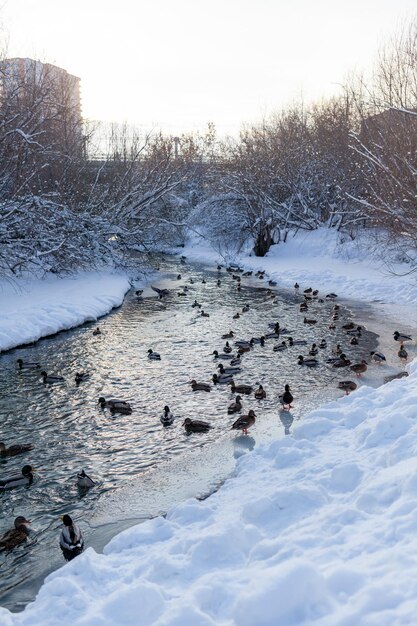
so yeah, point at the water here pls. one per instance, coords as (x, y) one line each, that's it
(140, 467)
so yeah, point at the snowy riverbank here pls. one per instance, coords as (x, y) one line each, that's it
(316, 528)
(34, 308)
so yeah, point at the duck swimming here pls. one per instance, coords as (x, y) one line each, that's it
(243, 389)
(84, 481)
(296, 342)
(286, 398)
(97, 331)
(313, 350)
(347, 386)
(167, 417)
(307, 362)
(27, 365)
(17, 448)
(196, 304)
(260, 393)
(195, 426)
(222, 379)
(204, 314)
(80, 377)
(228, 370)
(47, 379)
(228, 335)
(222, 355)
(200, 386)
(111, 404)
(15, 536)
(244, 422)
(153, 356)
(309, 321)
(280, 347)
(296, 286)
(18, 480)
(227, 348)
(235, 407)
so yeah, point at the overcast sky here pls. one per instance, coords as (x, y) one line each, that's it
(178, 64)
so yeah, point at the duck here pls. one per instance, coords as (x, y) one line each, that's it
(356, 332)
(15, 536)
(241, 389)
(219, 267)
(332, 326)
(308, 290)
(243, 344)
(307, 362)
(337, 350)
(203, 282)
(181, 293)
(80, 377)
(359, 368)
(200, 386)
(272, 336)
(259, 340)
(97, 331)
(179, 277)
(315, 293)
(228, 335)
(244, 422)
(309, 321)
(313, 350)
(84, 481)
(402, 353)
(109, 404)
(235, 362)
(18, 480)
(204, 314)
(227, 348)
(331, 296)
(323, 344)
(236, 316)
(401, 337)
(260, 393)
(246, 308)
(348, 326)
(286, 398)
(303, 307)
(27, 365)
(222, 355)
(296, 342)
(342, 361)
(167, 417)
(17, 448)
(272, 283)
(51, 379)
(228, 370)
(221, 379)
(235, 407)
(296, 286)
(123, 408)
(219, 282)
(280, 347)
(247, 273)
(195, 426)
(347, 386)
(139, 292)
(161, 292)
(153, 356)
(196, 304)
(378, 357)
(354, 341)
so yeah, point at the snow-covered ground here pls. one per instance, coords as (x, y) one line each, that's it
(34, 308)
(319, 527)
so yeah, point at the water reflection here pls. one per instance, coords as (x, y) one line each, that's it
(286, 420)
(242, 444)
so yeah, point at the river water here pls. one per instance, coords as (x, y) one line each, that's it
(140, 467)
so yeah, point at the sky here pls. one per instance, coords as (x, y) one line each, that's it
(180, 64)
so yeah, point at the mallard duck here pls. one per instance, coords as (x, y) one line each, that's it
(139, 292)
(308, 290)
(195, 426)
(203, 282)
(259, 340)
(84, 481)
(167, 417)
(221, 379)
(354, 341)
(356, 332)
(196, 304)
(244, 422)
(161, 292)
(228, 335)
(296, 342)
(123, 408)
(272, 336)
(280, 347)
(235, 407)
(286, 398)
(243, 389)
(182, 293)
(17, 448)
(235, 362)
(97, 331)
(342, 361)
(15, 536)
(153, 356)
(109, 404)
(51, 379)
(359, 368)
(247, 273)
(337, 350)
(80, 377)
(219, 283)
(18, 480)
(236, 316)
(323, 344)
(336, 307)
(315, 293)
(27, 365)
(246, 308)
(311, 322)
(347, 386)
(378, 357)
(401, 337)
(228, 370)
(402, 353)
(313, 350)
(204, 314)
(200, 386)
(222, 355)
(307, 362)
(273, 283)
(242, 350)
(260, 393)
(243, 344)
(179, 277)
(227, 348)
(331, 296)
(296, 286)
(348, 326)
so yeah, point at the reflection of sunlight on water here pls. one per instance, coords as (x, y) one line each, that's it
(140, 467)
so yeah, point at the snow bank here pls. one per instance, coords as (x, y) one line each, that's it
(30, 309)
(318, 528)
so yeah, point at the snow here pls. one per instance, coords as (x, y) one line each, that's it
(319, 527)
(34, 308)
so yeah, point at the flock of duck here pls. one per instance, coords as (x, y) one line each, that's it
(230, 361)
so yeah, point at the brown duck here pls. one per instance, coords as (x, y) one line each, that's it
(235, 407)
(195, 426)
(244, 422)
(15, 536)
(17, 448)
